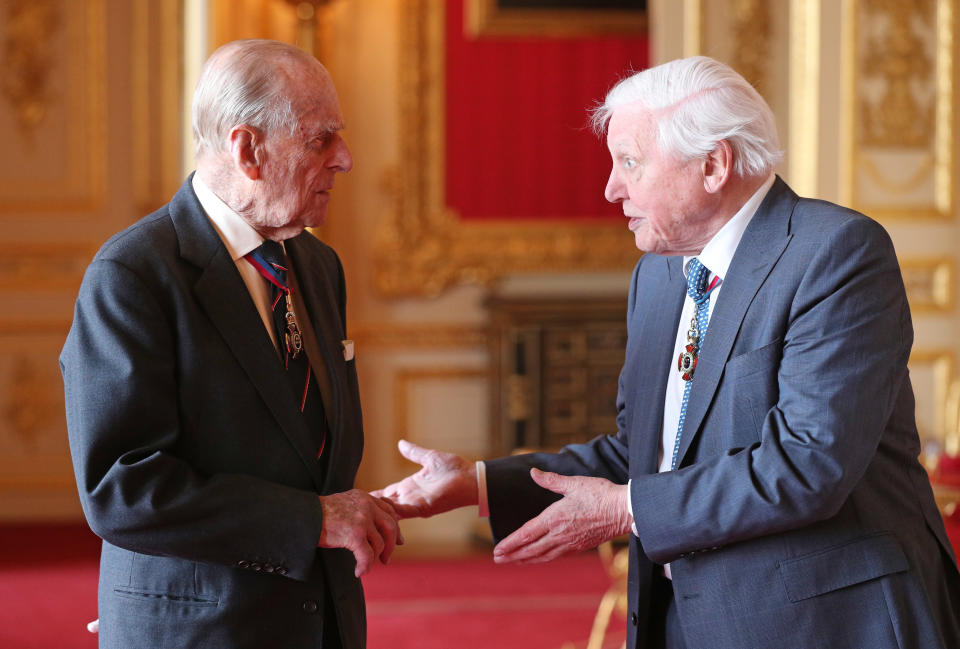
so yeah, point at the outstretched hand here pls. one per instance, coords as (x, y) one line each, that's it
(445, 482)
(361, 523)
(592, 510)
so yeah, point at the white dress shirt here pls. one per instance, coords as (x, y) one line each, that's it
(240, 238)
(716, 256)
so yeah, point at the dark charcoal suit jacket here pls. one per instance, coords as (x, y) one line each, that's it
(799, 517)
(192, 461)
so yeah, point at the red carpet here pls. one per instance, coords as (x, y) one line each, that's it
(48, 583)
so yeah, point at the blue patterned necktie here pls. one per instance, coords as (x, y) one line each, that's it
(697, 289)
(271, 262)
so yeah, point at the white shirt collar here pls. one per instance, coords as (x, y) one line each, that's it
(237, 235)
(719, 251)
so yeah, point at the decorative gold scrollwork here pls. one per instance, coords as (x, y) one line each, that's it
(897, 110)
(27, 61)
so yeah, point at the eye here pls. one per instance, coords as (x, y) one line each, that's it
(629, 163)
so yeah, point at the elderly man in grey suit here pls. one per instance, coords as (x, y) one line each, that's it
(765, 462)
(212, 401)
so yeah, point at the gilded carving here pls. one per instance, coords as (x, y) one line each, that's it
(423, 247)
(751, 37)
(27, 61)
(900, 149)
(29, 407)
(487, 18)
(930, 284)
(938, 365)
(897, 74)
(45, 266)
(408, 336)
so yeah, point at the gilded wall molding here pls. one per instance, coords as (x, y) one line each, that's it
(156, 66)
(28, 59)
(487, 18)
(45, 266)
(32, 401)
(941, 362)
(75, 182)
(693, 20)
(423, 248)
(900, 153)
(804, 109)
(402, 382)
(391, 335)
(930, 283)
(751, 39)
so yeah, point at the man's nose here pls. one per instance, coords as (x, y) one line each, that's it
(614, 191)
(341, 160)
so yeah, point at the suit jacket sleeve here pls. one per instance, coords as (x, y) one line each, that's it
(833, 381)
(137, 490)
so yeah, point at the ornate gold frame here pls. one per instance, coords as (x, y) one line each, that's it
(487, 18)
(942, 152)
(423, 248)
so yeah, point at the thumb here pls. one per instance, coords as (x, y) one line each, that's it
(412, 452)
(553, 481)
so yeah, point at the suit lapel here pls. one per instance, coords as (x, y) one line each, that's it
(652, 359)
(223, 295)
(763, 242)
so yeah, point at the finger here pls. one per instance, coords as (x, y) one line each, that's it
(94, 627)
(536, 552)
(386, 506)
(407, 510)
(389, 531)
(413, 452)
(557, 552)
(529, 533)
(363, 553)
(553, 481)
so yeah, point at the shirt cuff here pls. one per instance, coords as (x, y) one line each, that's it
(483, 507)
(633, 523)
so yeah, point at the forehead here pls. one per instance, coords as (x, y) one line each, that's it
(630, 125)
(314, 97)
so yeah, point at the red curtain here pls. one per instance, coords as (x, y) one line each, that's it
(518, 143)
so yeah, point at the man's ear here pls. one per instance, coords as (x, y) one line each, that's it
(717, 167)
(244, 150)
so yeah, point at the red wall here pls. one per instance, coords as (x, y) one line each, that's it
(517, 141)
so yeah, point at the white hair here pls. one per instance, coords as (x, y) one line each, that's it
(697, 102)
(242, 83)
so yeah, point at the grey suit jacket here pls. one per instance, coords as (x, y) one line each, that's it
(192, 462)
(799, 516)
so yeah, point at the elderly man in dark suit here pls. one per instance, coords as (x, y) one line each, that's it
(211, 394)
(765, 462)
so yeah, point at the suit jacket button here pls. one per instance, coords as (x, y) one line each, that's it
(243, 564)
(634, 620)
(281, 571)
(310, 606)
(268, 568)
(255, 566)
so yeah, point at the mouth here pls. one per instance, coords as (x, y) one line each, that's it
(634, 223)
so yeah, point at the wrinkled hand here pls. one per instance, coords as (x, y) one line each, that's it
(361, 523)
(445, 482)
(592, 510)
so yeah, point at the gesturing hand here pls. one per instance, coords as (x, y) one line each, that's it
(592, 510)
(445, 482)
(361, 523)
